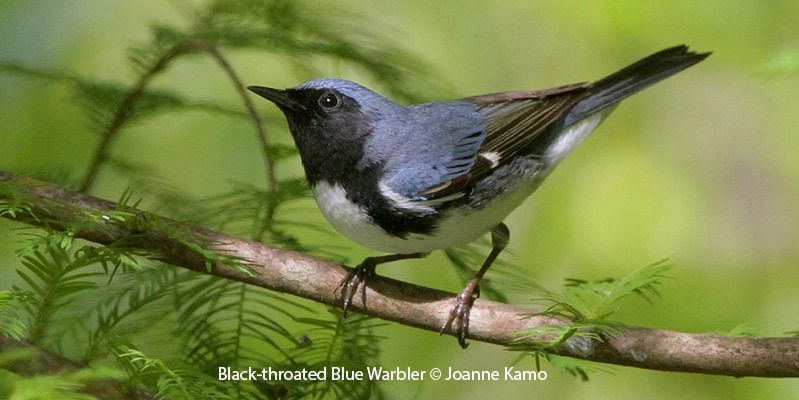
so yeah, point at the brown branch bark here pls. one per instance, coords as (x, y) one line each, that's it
(315, 279)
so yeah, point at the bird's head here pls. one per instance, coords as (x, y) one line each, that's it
(328, 109)
(330, 119)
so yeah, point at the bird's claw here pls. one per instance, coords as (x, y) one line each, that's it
(355, 278)
(458, 318)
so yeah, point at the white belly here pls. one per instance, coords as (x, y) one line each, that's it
(455, 229)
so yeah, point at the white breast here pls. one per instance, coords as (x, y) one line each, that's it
(350, 219)
(457, 228)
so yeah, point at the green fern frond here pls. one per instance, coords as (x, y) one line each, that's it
(540, 341)
(302, 34)
(100, 100)
(216, 316)
(592, 301)
(744, 330)
(53, 278)
(231, 324)
(11, 323)
(142, 299)
(12, 202)
(350, 343)
(173, 384)
(585, 307)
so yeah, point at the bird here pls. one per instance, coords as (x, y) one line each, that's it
(408, 180)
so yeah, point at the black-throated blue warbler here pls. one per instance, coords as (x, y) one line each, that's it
(410, 180)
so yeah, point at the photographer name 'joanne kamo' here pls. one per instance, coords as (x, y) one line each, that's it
(508, 374)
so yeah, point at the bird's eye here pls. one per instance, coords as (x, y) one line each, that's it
(329, 101)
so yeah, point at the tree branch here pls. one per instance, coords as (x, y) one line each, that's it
(38, 361)
(315, 279)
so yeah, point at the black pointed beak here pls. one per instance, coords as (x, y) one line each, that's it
(280, 97)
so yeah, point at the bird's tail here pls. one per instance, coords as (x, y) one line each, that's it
(616, 87)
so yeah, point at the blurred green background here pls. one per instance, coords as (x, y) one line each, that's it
(701, 169)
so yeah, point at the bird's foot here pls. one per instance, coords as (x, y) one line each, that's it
(355, 278)
(458, 319)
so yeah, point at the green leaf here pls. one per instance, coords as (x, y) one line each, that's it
(582, 300)
(11, 323)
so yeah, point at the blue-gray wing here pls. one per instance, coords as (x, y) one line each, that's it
(509, 123)
(439, 145)
(513, 122)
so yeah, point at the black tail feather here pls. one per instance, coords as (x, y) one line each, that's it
(627, 81)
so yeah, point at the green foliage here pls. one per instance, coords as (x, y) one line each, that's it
(12, 202)
(582, 300)
(744, 329)
(54, 277)
(96, 303)
(101, 100)
(585, 308)
(337, 342)
(282, 27)
(11, 324)
(142, 296)
(294, 30)
(220, 323)
(170, 384)
(67, 386)
(512, 278)
(108, 303)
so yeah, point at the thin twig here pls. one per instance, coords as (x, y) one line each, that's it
(123, 114)
(213, 52)
(265, 223)
(126, 110)
(316, 279)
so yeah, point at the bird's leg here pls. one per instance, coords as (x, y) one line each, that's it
(358, 276)
(459, 316)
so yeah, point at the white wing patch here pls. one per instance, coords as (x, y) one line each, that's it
(403, 202)
(492, 156)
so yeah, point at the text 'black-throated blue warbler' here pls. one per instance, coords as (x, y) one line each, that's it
(410, 180)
